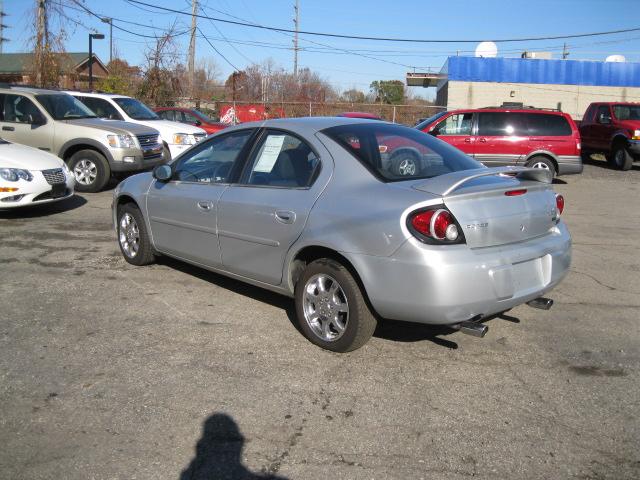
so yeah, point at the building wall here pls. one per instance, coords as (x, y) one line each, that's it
(573, 99)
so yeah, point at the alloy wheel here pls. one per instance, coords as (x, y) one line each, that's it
(407, 167)
(129, 235)
(326, 309)
(85, 172)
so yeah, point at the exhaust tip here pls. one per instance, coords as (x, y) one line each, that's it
(473, 328)
(541, 303)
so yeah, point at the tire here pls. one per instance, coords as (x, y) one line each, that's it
(353, 321)
(542, 162)
(91, 170)
(405, 164)
(133, 239)
(621, 158)
(166, 154)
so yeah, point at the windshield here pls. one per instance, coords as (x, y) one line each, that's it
(429, 121)
(393, 152)
(64, 107)
(135, 109)
(627, 112)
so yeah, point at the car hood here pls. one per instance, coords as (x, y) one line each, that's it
(114, 126)
(13, 155)
(167, 128)
(630, 124)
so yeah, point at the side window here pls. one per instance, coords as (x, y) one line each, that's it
(282, 160)
(102, 108)
(212, 161)
(500, 124)
(588, 115)
(458, 124)
(548, 125)
(19, 109)
(603, 114)
(169, 115)
(188, 118)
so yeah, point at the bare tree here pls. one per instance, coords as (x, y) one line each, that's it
(160, 84)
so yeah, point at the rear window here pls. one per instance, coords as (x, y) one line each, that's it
(546, 125)
(394, 153)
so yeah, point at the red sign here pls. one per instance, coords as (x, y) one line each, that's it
(248, 113)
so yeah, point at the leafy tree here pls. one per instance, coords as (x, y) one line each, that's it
(353, 96)
(388, 91)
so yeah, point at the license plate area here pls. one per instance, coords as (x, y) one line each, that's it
(58, 190)
(527, 275)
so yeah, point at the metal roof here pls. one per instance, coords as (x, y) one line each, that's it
(559, 72)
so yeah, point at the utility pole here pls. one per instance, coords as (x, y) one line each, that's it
(41, 39)
(565, 52)
(110, 22)
(296, 23)
(2, 26)
(192, 48)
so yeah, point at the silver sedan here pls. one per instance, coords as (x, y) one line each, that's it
(323, 210)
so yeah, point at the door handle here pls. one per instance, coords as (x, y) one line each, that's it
(8, 129)
(285, 216)
(467, 140)
(204, 206)
(483, 140)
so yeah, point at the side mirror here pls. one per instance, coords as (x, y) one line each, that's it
(162, 173)
(435, 132)
(37, 119)
(197, 123)
(605, 119)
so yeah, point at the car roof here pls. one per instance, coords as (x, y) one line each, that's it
(302, 124)
(34, 90)
(96, 94)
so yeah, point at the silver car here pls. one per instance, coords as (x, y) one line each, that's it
(314, 208)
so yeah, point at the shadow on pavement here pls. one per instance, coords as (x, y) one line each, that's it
(45, 209)
(219, 453)
(602, 162)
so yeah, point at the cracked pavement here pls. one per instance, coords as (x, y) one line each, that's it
(168, 371)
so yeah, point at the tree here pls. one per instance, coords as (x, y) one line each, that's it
(388, 91)
(353, 96)
(123, 78)
(160, 84)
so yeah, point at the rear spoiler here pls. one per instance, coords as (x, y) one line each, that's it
(445, 184)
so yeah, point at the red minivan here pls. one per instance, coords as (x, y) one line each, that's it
(503, 136)
(190, 116)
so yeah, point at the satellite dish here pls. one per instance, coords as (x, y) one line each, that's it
(616, 59)
(487, 50)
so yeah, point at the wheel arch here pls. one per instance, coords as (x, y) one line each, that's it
(75, 145)
(413, 151)
(543, 153)
(618, 139)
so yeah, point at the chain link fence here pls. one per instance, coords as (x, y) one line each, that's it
(404, 114)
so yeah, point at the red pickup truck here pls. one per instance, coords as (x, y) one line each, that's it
(612, 128)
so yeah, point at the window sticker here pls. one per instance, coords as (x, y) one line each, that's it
(270, 151)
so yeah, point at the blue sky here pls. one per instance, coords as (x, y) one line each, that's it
(429, 19)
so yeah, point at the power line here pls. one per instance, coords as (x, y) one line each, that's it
(389, 39)
(218, 51)
(227, 40)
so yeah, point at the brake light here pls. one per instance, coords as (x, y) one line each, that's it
(435, 224)
(559, 203)
(514, 193)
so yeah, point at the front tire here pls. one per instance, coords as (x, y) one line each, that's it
(133, 239)
(331, 309)
(166, 154)
(405, 165)
(622, 159)
(91, 170)
(543, 163)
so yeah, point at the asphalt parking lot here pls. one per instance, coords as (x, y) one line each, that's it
(171, 372)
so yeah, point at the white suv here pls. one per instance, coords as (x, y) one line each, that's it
(176, 137)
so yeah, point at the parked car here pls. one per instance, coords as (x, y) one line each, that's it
(612, 128)
(29, 176)
(56, 122)
(287, 205)
(367, 115)
(530, 137)
(190, 116)
(176, 137)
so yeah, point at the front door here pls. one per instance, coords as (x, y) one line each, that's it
(602, 129)
(262, 216)
(456, 130)
(21, 121)
(183, 212)
(502, 138)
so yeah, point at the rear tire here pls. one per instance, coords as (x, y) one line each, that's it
(621, 157)
(90, 169)
(543, 163)
(331, 309)
(133, 239)
(405, 165)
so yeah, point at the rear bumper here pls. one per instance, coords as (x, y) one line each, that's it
(569, 164)
(447, 285)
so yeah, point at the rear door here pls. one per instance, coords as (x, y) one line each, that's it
(19, 122)
(456, 130)
(502, 138)
(183, 212)
(263, 215)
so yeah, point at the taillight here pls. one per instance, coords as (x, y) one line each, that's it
(559, 203)
(435, 225)
(515, 193)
